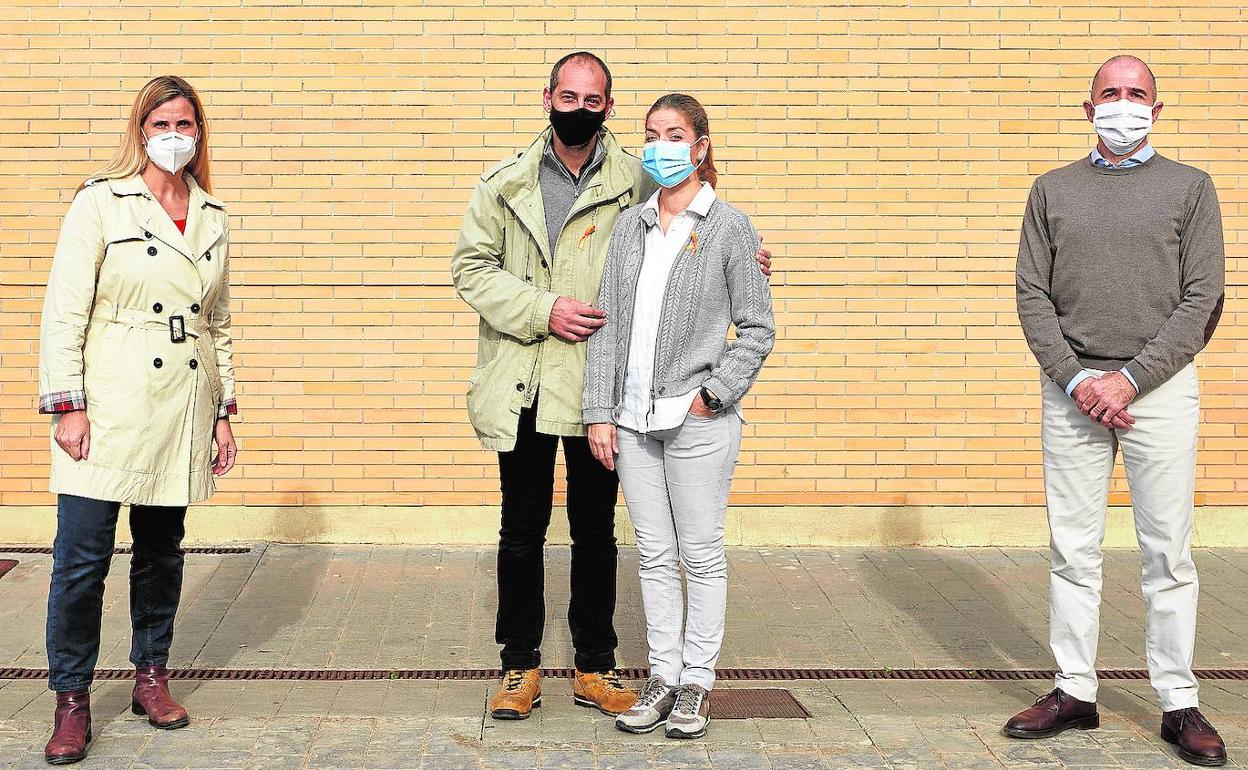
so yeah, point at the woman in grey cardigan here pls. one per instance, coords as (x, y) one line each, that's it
(662, 400)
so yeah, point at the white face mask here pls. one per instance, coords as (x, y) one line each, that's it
(171, 150)
(1123, 124)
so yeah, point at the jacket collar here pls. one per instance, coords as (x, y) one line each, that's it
(520, 188)
(134, 185)
(201, 231)
(521, 177)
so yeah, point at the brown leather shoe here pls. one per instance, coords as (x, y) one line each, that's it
(604, 692)
(1193, 737)
(1053, 713)
(151, 697)
(517, 696)
(71, 729)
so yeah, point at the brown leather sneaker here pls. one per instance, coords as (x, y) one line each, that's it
(71, 729)
(151, 697)
(604, 692)
(1052, 714)
(1193, 737)
(518, 695)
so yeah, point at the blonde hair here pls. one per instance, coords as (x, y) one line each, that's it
(131, 157)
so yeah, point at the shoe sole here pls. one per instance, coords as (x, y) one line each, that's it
(1086, 723)
(511, 715)
(584, 702)
(1194, 759)
(139, 711)
(681, 735)
(69, 760)
(639, 730)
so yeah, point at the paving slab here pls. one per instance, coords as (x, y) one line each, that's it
(389, 608)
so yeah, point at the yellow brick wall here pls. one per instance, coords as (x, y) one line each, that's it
(884, 151)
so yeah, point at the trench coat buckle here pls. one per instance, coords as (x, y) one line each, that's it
(177, 328)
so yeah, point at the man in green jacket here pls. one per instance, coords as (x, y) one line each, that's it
(529, 261)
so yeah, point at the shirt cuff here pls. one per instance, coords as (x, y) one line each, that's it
(63, 401)
(227, 408)
(1078, 378)
(1130, 379)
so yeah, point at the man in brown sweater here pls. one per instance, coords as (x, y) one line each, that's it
(1120, 284)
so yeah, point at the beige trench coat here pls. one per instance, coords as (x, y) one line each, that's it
(136, 326)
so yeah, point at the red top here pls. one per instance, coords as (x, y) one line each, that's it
(181, 223)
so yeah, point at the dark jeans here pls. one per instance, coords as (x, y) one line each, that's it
(85, 534)
(528, 481)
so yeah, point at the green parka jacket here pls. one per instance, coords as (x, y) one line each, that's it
(503, 268)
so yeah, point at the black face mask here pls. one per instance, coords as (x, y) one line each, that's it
(576, 127)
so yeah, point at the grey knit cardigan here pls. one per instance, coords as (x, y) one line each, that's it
(715, 283)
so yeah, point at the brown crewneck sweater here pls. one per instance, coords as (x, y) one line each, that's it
(1120, 268)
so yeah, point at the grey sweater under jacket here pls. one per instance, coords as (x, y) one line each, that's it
(715, 283)
(1120, 269)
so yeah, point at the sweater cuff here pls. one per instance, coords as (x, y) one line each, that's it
(597, 415)
(1067, 373)
(1138, 377)
(1131, 380)
(227, 408)
(721, 391)
(1084, 374)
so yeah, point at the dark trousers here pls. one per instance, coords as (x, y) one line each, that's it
(85, 534)
(528, 480)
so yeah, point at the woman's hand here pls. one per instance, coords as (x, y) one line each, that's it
(698, 407)
(73, 434)
(227, 450)
(603, 444)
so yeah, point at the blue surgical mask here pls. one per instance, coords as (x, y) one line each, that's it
(668, 163)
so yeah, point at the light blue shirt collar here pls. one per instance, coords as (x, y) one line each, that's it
(1140, 157)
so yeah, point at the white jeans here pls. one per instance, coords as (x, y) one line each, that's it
(676, 486)
(1159, 453)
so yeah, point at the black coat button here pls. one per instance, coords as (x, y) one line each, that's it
(157, 308)
(194, 364)
(519, 386)
(208, 255)
(158, 363)
(151, 251)
(195, 308)
(147, 235)
(544, 263)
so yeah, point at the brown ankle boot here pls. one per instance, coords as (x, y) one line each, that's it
(151, 697)
(71, 730)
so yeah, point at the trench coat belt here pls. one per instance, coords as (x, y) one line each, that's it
(196, 329)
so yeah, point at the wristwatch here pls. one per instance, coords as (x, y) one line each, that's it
(712, 401)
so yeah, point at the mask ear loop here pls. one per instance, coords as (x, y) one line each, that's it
(702, 160)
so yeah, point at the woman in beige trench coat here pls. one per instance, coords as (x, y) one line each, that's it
(135, 369)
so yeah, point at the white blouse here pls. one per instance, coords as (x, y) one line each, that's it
(662, 249)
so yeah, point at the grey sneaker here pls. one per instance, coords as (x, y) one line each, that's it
(653, 705)
(691, 714)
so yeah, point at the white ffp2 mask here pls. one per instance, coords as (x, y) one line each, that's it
(1123, 124)
(171, 150)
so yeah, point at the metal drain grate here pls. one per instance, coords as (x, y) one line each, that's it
(198, 549)
(725, 674)
(746, 703)
(6, 565)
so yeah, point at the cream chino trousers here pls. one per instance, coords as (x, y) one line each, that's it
(1159, 454)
